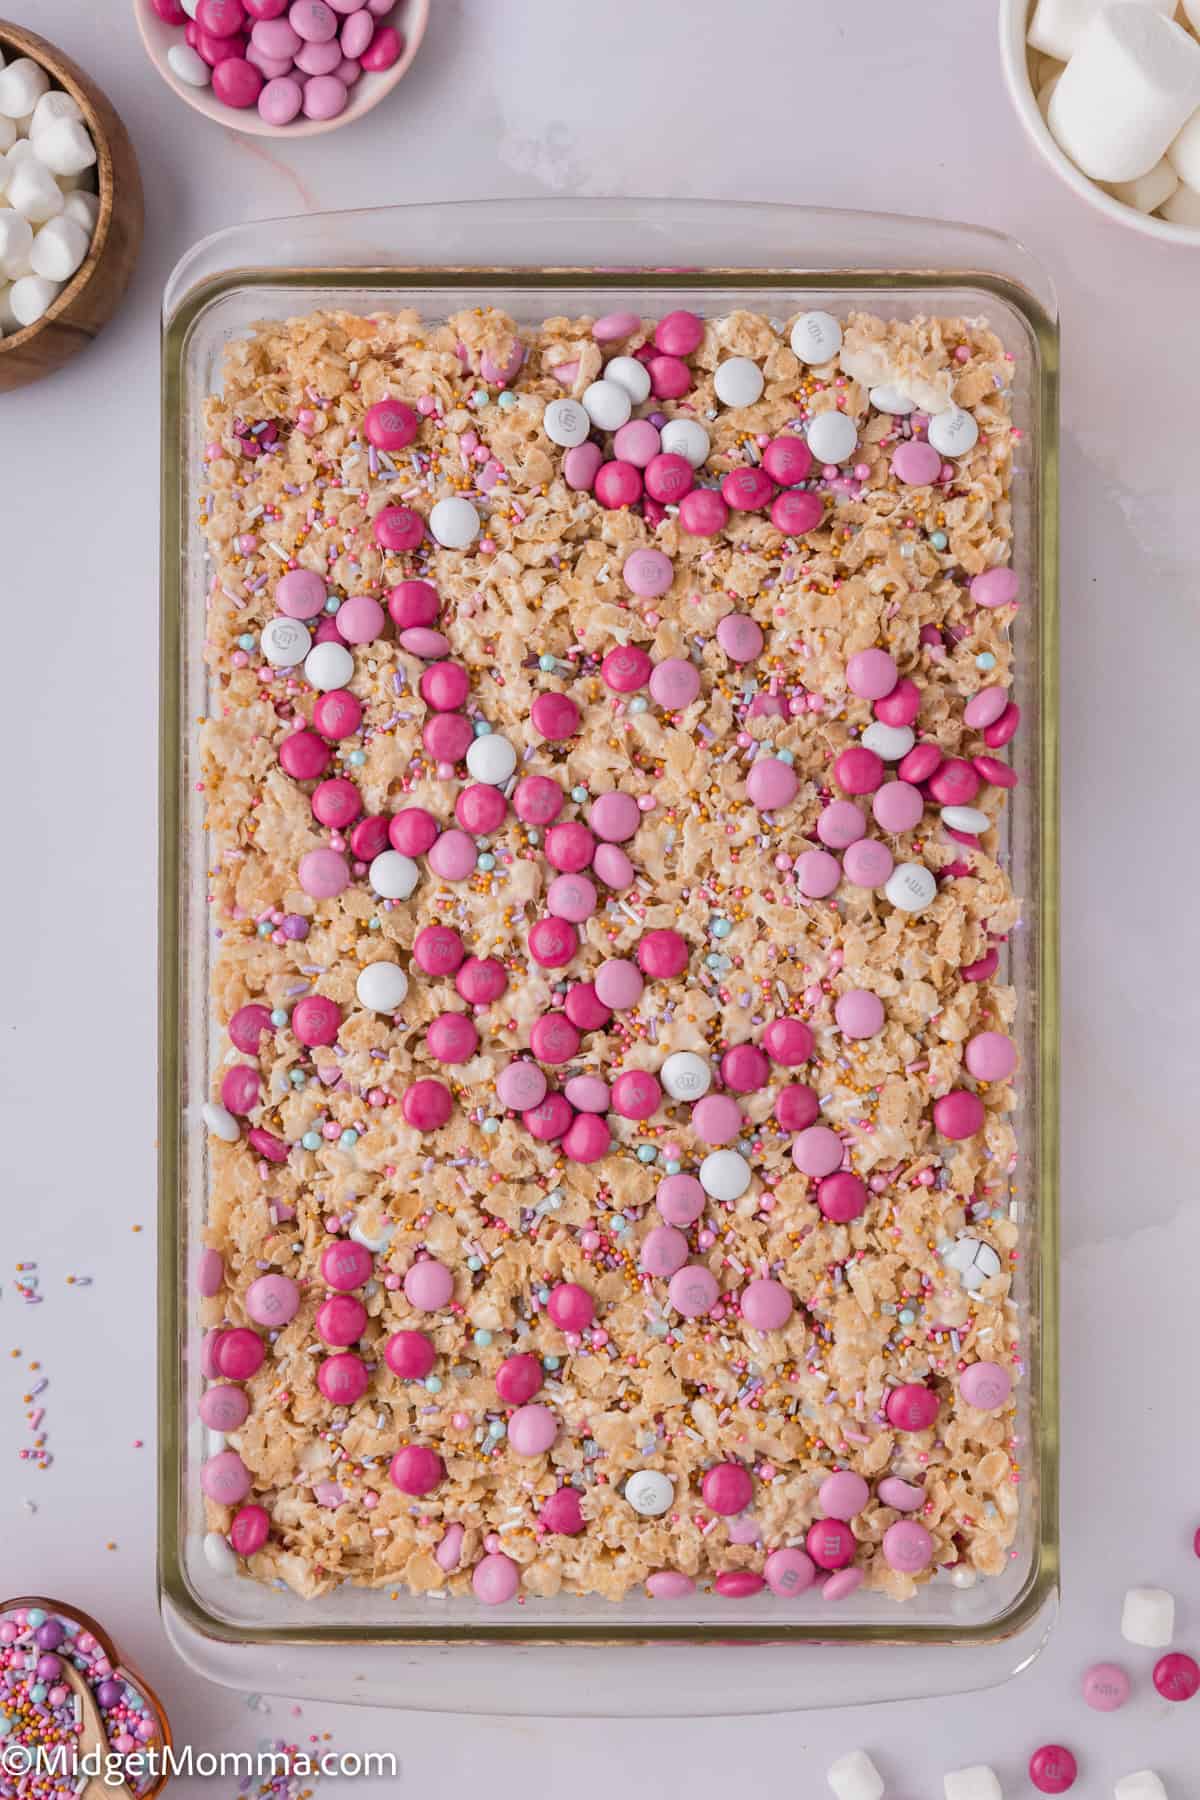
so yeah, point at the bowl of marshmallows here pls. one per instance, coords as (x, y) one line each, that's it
(1109, 91)
(70, 208)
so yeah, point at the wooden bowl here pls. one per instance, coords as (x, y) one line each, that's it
(89, 299)
(410, 18)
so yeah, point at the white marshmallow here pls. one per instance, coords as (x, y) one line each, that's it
(1148, 1617)
(8, 134)
(1143, 1784)
(22, 85)
(65, 147)
(979, 1782)
(1131, 84)
(22, 151)
(58, 249)
(1147, 192)
(1058, 25)
(855, 1777)
(33, 192)
(1183, 208)
(16, 241)
(1183, 154)
(51, 106)
(30, 296)
(83, 207)
(8, 319)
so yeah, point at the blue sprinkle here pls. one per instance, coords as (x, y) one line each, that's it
(279, 1018)
(348, 1138)
(646, 1153)
(485, 862)
(545, 663)
(311, 1140)
(721, 928)
(579, 795)
(672, 1167)
(483, 1339)
(332, 605)
(481, 728)
(246, 641)
(497, 1428)
(550, 1362)
(638, 704)
(985, 660)
(490, 1126)
(507, 401)
(938, 539)
(474, 1263)
(433, 1384)
(357, 758)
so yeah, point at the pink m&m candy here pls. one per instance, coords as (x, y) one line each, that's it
(521, 1086)
(766, 1305)
(416, 1470)
(570, 1306)
(830, 1543)
(771, 783)
(553, 942)
(789, 1572)
(995, 587)
(316, 1020)
(901, 1496)
(916, 463)
(562, 1513)
(409, 1355)
(429, 1285)
(324, 98)
(617, 484)
(858, 770)
(481, 980)
(669, 1584)
(636, 1094)
(396, 527)
(990, 1056)
(680, 1199)
(554, 1039)
(532, 1430)
(272, 1300)
(868, 863)
(427, 1104)
(451, 1038)
(985, 1385)
(614, 817)
(300, 594)
(569, 846)
(612, 327)
(337, 714)
(1105, 1687)
(796, 1106)
(412, 603)
(438, 949)
(674, 683)
(871, 674)
(664, 1249)
(907, 1547)
(586, 1139)
(859, 1013)
(582, 464)
(341, 1320)
(495, 1578)
(703, 513)
(225, 1478)
(537, 800)
(717, 1119)
(391, 425)
(648, 573)
(518, 1379)
(250, 1529)
(210, 1273)
(740, 637)
(817, 1151)
(343, 1379)
(958, 1114)
(911, 1407)
(1053, 1769)
(727, 1488)
(625, 669)
(788, 1042)
(693, 1291)
(841, 824)
(303, 756)
(843, 1495)
(346, 1265)
(662, 954)
(637, 442)
(224, 1408)
(898, 806)
(221, 18)
(920, 762)
(841, 1197)
(817, 873)
(985, 707)
(239, 1354)
(360, 619)
(453, 856)
(555, 716)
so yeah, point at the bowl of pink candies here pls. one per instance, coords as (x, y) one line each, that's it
(291, 66)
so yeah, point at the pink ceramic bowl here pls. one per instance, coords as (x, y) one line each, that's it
(409, 18)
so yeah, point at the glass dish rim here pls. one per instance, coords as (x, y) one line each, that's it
(1043, 1575)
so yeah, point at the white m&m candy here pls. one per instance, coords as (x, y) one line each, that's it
(285, 642)
(966, 818)
(649, 1492)
(631, 375)
(738, 381)
(382, 986)
(816, 337)
(686, 438)
(911, 887)
(685, 1076)
(454, 523)
(831, 437)
(393, 875)
(220, 1122)
(188, 65)
(565, 422)
(217, 1554)
(328, 666)
(891, 400)
(607, 404)
(891, 742)
(974, 1261)
(855, 1777)
(725, 1175)
(953, 432)
(491, 759)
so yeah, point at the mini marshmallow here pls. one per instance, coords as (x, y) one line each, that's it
(1143, 1784)
(51, 106)
(1183, 208)
(1147, 193)
(855, 1777)
(83, 207)
(8, 134)
(65, 147)
(30, 297)
(58, 249)
(16, 241)
(1183, 154)
(8, 318)
(1148, 1617)
(979, 1782)
(33, 192)
(1130, 86)
(1058, 25)
(22, 85)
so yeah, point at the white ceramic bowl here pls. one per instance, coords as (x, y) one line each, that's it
(409, 17)
(1014, 54)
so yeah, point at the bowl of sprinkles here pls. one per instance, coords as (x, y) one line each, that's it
(292, 68)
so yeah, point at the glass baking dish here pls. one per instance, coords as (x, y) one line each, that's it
(533, 261)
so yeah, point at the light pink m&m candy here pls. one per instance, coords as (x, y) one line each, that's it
(669, 1584)
(995, 587)
(990, 1056)
(901, 1496)
(740, 637)
(843, 1495)
(225, 1478)
(680, 1199)
(985, 707)
(817, 1151)
(324, 98)
(281, 98)
(859, 1013)
(648, 573)
(868, 863)
(898, 806)
(871, 674)
(614, 817)
(841, 824)
(453, 856)
(664, 1249)
(225, 1407)
(610, 328)
(532, 1430)
(789, 1572)
(521, 1086)
(300, 594)
(817, 873)
(907, 1547)
(693, 1291)
(674, 683)
(717, 1119)
(272, 1300)
(916, 463)
(1106, 1687)
(766, 1305)
(587, 1093)
(637, 442)
(495, 1578)
(429, 1285)
(771, 783)
(985, 1385)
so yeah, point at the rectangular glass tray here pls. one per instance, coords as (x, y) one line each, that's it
(534, 261)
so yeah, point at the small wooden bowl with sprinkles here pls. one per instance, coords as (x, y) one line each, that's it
(91, 296)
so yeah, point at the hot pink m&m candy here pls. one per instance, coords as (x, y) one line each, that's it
(225, 1478)
(693, 1291)
(1176, 1676)
(341, 1320)
(412, 603)
(416, 1470)
(920, 762)
(817, 1151)
(316, 1020)
(391, 425)
(680, 1199)
(336, 803)
(664, 1249)
(239, 1354)
(427, 1104)
(300, 594)
(555, 716)
(858, 770)
(447, 736)
(771, 783)
(995, 587)
(236, 82)
(990, 1056)
(480, 808)
(343, 1379)
(481, 980)
(843, 1495)
(495, 1578)
(744, 1069)
(1105, 1687)
(247, 1025)
(900, 706)
(396, 527)
(412, 831)
(273, 1148)
(911, 1407)
(337, 714)
(679, 333)
(451, 1038)
(1053, 1769)
(907, 1547)
(669, 478)
(636, 1094)
(954, 783)
(585, 1008)
(738, 1584)
(303, 756)
(518, 1379)
(537, 800)
(562, 1513)
(553, 942)
(1000, 732)
(586, 1139)
(553, 1039)
(569, 846)
(747, 490)
(986, 1385)
(409, 1354)
(614, 817)
(787, 460)
(958, 1114)
(385, 48)
(789, 1572)
(438, 949)
(703, 513)
(817, 873)
(249, 1530)
(648, 573)
(717, 1119)
(445, 686)
(617, 484)
(532, 1430)
(898, 806)
(766, 1305)
(224, 1408)
(625, 669)
(841, 1197)
(272, 1300)
(796, 1106)
(727, 1488)
(570, 1306)
(983, 969)
(674, 683)
(871, 674)
(841, 824)
(221, 18)
(859, 1013)
(788, 1042)
(662, 954)
(346, 1265)
(453, 855)
(830, 1543)
(796, 513)
(429, 1285)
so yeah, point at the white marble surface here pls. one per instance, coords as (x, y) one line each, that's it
(894, 104)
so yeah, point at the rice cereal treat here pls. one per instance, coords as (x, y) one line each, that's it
(610, 1151)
